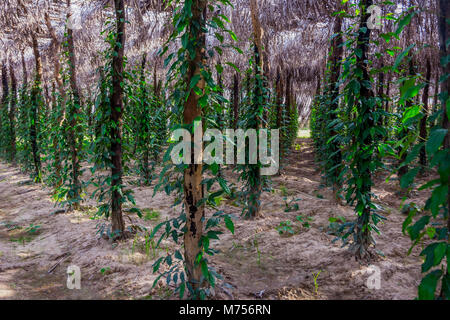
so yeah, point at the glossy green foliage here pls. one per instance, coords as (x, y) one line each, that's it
(171, 178)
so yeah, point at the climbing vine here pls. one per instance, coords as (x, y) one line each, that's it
(192, 79)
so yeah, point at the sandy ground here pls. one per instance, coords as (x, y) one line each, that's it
(256, 262)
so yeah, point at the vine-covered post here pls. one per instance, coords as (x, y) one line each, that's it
(279, 113)
(362, 130)
(404, 130)
(4, 106)
(36, 101)
(386, 107)
(117, 223)
(56, 50)
(257, 114)
(12, 112)
(75, 130)
(145, 123)
(193, 188)
(424, 120)
(363, 238)
(334, 152)
(235, 100)
(195, 94)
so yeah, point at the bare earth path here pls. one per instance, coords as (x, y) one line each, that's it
(256, 262)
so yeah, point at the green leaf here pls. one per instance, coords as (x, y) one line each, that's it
(233, 66)
(446, 284)
(448, 260)
(229, 224)
(427, 287)
(204, 268)
(232, 35)
(408, 220)
(431, 232)
(415, 230)
(438, 197)
(214, 168)
(414, 153)
(224, 185)
(404, 22)
(386, 36)
(428, 252)
(156, 229)
(156, 280)
(178, 255)
(157, 264)
(390, 52)
(195, 79)
(219, 68)
(408, 178)
(219, 37)
(185, 39)
(439, 252)
(182, 288)
(137, 211)
(435, 141)
(429, 184)
(401, 56)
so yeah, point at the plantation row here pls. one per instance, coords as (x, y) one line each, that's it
(361, 126)
(373, 112)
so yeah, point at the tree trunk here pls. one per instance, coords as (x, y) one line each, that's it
(363, 168)
(118, 225)
(257, 32)
(36, 98)
(56, 49)
(75, 136)
(100, 109)
(4, 105)
(386, 106)
(279, 99)
(193, 188)
(145, 124)
(266, 74)
(380, 92)
(423, 122)
(158, 104)
(220, 117)
(235, 100)
(156, 84)
(380, 106)
(89, 110)
(336, 57)
(24, 69)
(404, 132)
(256, 185)
(279, 103)
(47, 100)
(288, 96)
(12, 113)
(436, 97)
(318, 85)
